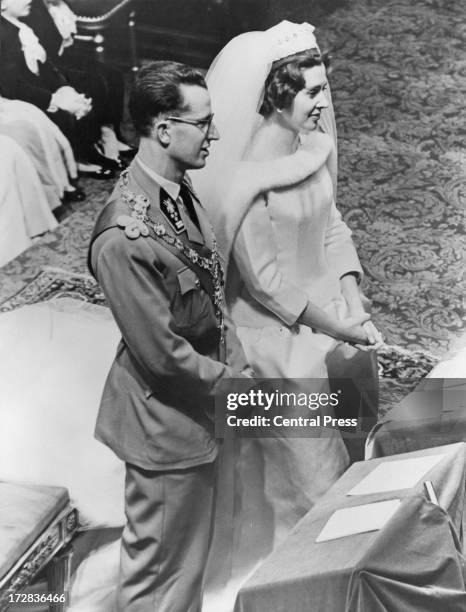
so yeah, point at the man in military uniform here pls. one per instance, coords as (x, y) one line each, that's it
(154, 254)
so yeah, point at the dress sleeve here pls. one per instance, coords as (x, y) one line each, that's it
(341, 253)
(255, 253)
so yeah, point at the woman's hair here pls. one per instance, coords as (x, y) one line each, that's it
(286, 79)
(156, 90)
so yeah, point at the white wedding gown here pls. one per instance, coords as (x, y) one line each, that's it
(292, 247)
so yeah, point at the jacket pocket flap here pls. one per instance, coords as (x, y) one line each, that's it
(187, 280)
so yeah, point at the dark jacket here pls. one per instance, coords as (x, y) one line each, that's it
(16, 80)
(41, 21)
(157, 405)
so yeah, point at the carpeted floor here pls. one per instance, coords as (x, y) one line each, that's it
(399, 83)
(395, 364)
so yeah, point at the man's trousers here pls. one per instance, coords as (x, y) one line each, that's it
(166, 539)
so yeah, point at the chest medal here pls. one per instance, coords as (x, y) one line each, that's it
(169, 209)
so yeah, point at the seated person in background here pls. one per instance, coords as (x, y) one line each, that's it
(54, 24)
(27, 74)
(47, 148)
(24, 211)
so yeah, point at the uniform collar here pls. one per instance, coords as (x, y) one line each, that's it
(173, 189)
(146, 179)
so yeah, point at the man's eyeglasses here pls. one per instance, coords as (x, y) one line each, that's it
(203, 124)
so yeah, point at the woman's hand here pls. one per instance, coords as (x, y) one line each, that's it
(356, 303)
(68, 99)
(352, 329)
(374, 337)
(85, 108)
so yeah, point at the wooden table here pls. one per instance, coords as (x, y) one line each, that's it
(36, 523)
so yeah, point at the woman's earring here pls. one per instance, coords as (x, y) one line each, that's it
(279, 110)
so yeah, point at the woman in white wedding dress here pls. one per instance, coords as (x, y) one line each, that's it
(292, 277)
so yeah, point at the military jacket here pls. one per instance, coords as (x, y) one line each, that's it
(158, 401)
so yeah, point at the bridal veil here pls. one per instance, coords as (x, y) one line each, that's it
(236, 82)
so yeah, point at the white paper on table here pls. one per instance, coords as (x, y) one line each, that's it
(358, 519)
(396, 475)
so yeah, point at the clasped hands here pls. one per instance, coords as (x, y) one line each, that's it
(359, 331)
(68, 99)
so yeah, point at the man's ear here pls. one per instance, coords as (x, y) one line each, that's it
(161, 131)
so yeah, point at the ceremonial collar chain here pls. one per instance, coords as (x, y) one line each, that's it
(137, 224)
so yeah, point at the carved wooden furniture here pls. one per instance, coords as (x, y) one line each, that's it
(36, 523)
(95, 19)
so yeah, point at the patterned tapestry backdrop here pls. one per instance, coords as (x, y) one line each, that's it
(399, 85)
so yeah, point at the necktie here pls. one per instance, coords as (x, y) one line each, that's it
(187, 200)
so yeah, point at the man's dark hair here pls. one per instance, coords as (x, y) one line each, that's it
(286, 79)
(156, 90)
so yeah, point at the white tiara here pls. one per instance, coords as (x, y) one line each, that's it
(288, 38)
